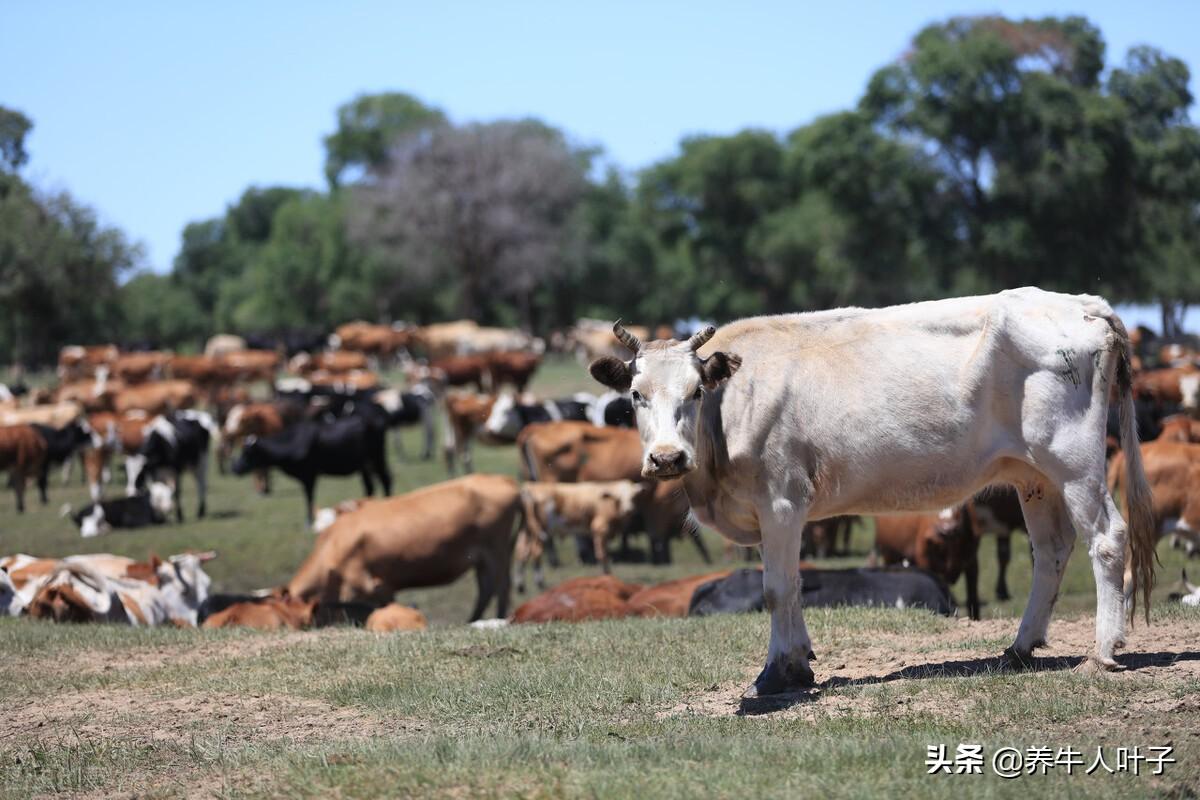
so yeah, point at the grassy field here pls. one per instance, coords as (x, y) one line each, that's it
(615, 709)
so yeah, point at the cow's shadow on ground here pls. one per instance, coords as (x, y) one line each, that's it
(226, 513)
(994, 665)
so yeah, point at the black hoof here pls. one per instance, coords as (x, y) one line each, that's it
(1018, 660)
(778, 679)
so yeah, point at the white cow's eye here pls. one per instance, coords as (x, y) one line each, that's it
(637, 396)
(699, 391)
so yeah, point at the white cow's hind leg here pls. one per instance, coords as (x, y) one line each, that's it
(1098, 521)
(787, 666)
(1053, 537)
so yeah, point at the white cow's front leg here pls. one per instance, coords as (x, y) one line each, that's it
(787, 666)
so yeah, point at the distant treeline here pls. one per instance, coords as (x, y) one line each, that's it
(994, 153)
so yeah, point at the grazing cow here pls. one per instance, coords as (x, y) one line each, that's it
(509, 416)
(409, 408)
(175, 443)
(672, 598)
(394, 617)
(465, 415)
(598, 511)
(512, 368)
(777, 420)
(742, 591)
(428, 537)
(151, 507)
(945, 544)
(998, 512)
(577, 600)
(22, 454)
(311, 448)
(61, 444)
(265, 614)
(160, 397)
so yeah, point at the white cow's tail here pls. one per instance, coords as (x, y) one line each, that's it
(1138, 498)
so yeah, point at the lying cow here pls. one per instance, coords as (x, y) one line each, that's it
(742, 591)
(312, 448)
(777, 420)
(428, 537)
(945, 544)
(151, 507)
(599, 511)
(577, 600)
(264, 614)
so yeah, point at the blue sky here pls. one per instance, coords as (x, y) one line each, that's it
(162, 113)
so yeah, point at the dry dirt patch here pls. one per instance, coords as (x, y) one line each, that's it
(1169, 652)
(136, 717)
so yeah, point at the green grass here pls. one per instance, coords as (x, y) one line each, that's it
(628, 708)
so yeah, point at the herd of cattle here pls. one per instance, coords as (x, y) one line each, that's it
(581, 462)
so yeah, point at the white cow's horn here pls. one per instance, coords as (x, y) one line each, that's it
(700, 338)
(626, 338)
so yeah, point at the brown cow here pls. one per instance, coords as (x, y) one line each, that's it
(1179, 428)
(1174, 485)
(461, 371)
(428, 537)
(998, 511)
(81, 362)
(515, 368)
(92, 394)
(465, 415)
(381, 341)
(577, 600)
(571, 452)
(945, 544)
(22, 452)
(598, 511)
(55, 415)
(335, 361)
(1164, 386)
(249, 365)
(206, 371)
(119, 433)
(394, 617)
(159, 397)
(266, 614)
(671, 598)
(140, 367)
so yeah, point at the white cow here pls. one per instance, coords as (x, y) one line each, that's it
(774, 421)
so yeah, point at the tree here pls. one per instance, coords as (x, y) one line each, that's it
(158, 310)
(484, 206)
(1165, 236)
(14, 127)
(367, 126)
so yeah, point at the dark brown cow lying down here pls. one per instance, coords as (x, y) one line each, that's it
(428, 537)
(577, 600)
(267, 614)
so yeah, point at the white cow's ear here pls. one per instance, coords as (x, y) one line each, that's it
(612, 372)
(718, 368)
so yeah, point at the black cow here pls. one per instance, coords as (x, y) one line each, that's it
(61, 444)
(326, 446)
(174, 443)
(742, 591)
(144, 508)
(409, 408)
